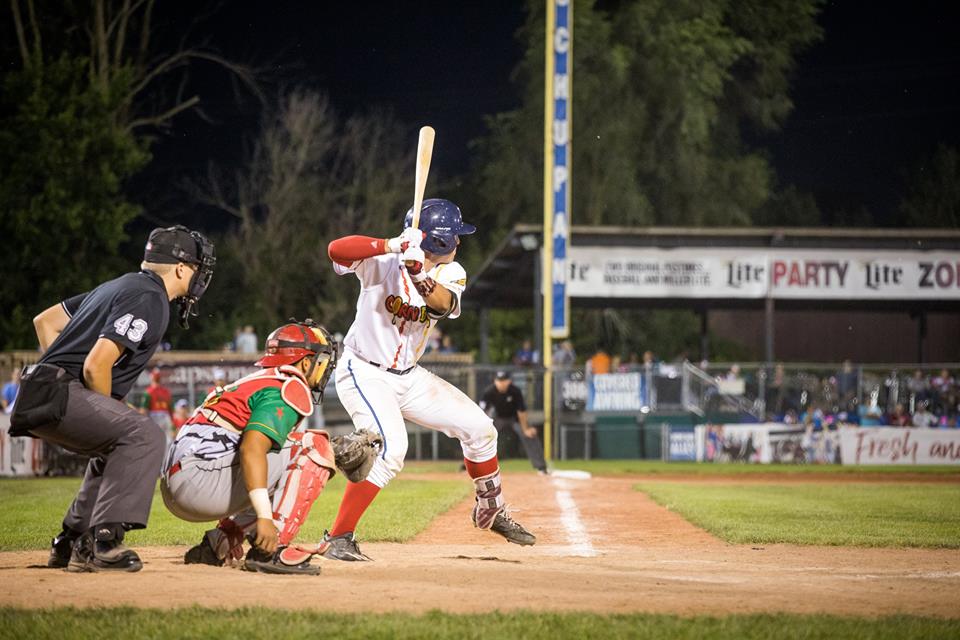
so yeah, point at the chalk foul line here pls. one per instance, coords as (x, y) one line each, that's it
(578, 539)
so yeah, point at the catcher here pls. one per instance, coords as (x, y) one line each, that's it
(243, 458)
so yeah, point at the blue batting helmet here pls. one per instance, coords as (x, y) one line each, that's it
(442, 222)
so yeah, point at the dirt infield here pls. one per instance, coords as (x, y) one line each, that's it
(601, 547)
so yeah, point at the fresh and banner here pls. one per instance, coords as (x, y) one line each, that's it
(838, 274)
(891, 445)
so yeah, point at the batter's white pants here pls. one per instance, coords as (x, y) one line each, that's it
(379, 401)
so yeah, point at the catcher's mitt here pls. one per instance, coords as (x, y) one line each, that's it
(355, 453)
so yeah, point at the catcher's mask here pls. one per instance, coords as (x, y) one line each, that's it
(179, 244)
(297, 340)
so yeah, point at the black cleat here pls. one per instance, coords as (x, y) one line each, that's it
(510, 529)
(342, 547)
(203, 553)
(263, 562)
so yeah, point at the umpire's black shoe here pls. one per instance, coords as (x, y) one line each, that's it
(263, 562)
(103, 551)
(81, 554)
(61, 548)
(342, 547)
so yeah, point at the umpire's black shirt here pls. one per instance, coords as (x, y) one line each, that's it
(132, 310)
(505, 405)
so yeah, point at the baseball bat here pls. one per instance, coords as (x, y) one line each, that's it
(424, 155)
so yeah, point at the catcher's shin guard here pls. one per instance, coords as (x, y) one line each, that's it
(311, 466)
(489, 500)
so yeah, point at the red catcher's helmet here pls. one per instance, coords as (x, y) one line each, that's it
(297, 340)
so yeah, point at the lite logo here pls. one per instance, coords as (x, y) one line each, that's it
(745, 273)
(882, 275)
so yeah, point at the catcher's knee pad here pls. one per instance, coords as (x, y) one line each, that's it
(489, 499)
(311, 465)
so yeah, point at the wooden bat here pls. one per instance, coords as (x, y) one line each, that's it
(424, 155)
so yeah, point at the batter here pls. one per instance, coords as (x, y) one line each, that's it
(408, 284)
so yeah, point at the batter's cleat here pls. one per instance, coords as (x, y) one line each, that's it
(263, 562)
(342, 547)
(510, 529)
(203, 553)
(61, 548)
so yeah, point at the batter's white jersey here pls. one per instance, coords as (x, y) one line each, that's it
(391, 330)
(393, 322)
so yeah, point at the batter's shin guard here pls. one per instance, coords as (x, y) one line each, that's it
(312, 464)
(489, 500)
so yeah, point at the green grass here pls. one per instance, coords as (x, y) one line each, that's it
(97, 624)
(887, 514)
(33, 509)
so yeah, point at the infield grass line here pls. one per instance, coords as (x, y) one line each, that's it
(33, 509)
(888, 514)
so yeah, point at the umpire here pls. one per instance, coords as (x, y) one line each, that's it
(503, 402)
(94, 347)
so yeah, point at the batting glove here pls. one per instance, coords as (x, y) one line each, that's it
(413, 258)
(410, 237)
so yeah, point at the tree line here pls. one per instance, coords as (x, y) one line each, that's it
(667, 93)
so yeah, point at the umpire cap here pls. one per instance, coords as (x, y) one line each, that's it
(172, 245)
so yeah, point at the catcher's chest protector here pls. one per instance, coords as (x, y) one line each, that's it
(232, 403)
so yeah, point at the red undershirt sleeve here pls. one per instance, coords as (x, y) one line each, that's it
(350, 249)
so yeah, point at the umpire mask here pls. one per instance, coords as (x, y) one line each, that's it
(179, 244)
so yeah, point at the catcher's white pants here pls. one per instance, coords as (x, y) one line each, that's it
(379, 401)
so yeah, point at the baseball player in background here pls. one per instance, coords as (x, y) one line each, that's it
(244, 458)
(407, 284)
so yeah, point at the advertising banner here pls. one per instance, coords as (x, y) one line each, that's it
(750, 273)
(557, 152)
(617, 392)
(890, 445)
(765, 443)
(682, 445)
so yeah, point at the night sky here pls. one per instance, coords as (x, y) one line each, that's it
(873, 98)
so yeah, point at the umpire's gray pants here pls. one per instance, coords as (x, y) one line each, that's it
(204, 490)
(125, 449)
(531, 445)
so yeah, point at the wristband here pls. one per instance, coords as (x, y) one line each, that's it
(260, 501)
(392, 245)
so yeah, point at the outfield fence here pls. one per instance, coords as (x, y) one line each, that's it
(648, 412)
